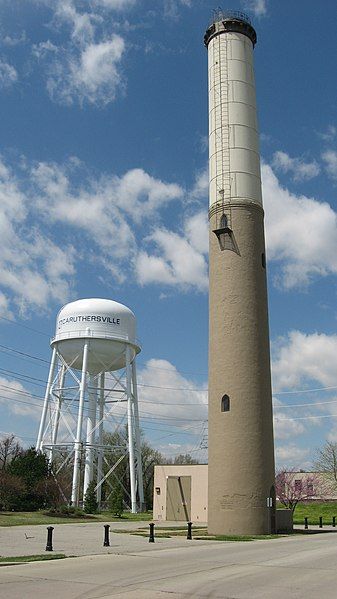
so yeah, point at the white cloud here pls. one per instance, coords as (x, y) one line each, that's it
(87, 67)
(91, 209)
(171, 7)
(285, 427)
(81, 23)
(300, 357)
(115, 4)
(89, 75)
(148, 194)
(8, 74)
(32, 268)
(301, 170)
(330, 159)
(164, 392)
(18, 400)
(103, 207)
(332, 435)
(200, 187)
(42, 49)
(4, 307)
(292, 456)
(176, 262)
(301, 233)
(328, 135)
(304, 361)
(258, 7)
(14, 41)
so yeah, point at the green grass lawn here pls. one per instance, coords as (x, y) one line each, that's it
(30, 518)
(31, 558)
(314, 510)
(198, 533)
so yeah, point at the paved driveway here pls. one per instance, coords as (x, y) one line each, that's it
(293, 567)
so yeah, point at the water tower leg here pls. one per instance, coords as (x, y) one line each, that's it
(77, 458)
(46, 401)
(56, 422)
(138, 443)
(131, 431)
(100, 437)
(91, 425)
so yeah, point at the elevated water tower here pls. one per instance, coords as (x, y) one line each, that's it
(92, 381)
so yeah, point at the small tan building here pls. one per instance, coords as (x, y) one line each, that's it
(180, 493)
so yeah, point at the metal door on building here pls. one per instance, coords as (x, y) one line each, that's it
(178, 498)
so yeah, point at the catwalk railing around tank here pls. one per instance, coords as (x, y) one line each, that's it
(89, 333)
(218, 14)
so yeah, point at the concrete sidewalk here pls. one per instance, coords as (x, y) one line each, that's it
(87, 538)
(298, 567)
(79, 539)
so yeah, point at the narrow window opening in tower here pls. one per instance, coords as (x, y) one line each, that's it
(226, 236)
(225, 403)
(263, 258)
(223, 221)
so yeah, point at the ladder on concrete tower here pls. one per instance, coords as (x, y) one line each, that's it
(221, 127)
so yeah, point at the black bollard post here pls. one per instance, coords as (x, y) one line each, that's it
(106, 535)
(189, 531)
(320, 522)
(334, 521)
(306, 523)
(49, 546)
(151, 537)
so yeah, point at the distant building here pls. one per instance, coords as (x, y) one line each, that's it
(309, 485)
(181, 491)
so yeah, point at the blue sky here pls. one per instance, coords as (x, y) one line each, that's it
(103, 193)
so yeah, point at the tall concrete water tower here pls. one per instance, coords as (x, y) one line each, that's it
(92, 381)
(240, 437)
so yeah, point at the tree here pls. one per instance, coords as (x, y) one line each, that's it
(115, 502)
(326, 459)
(291, 487)
(115, 456)
(120, 476)
(11, 487)
(32, 468)
(150, 458)
(185, 458)
(9, 449)
(90, 504)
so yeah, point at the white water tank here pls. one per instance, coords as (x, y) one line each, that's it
(108, 326)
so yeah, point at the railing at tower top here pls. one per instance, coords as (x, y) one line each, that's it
(218, 14)
(95, 335)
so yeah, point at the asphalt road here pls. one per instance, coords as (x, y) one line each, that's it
(293, 568)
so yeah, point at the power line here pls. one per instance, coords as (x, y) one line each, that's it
(304, 391)
(20, 324)
(144, 415)
(25, 377)
(195, 390)
(300, 405)
(7, 349)
(306, 417)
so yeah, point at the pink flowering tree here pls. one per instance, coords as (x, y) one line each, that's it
(293, 487)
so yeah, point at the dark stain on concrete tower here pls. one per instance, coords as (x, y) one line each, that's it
(241, 446)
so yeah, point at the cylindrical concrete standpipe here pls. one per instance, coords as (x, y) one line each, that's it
(241, 448)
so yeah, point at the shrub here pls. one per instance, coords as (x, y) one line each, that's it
(66, 511)
(11, 487)
(115, 501)
(90, 503)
